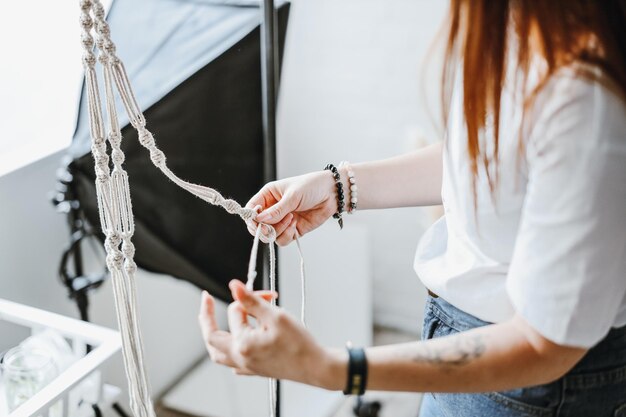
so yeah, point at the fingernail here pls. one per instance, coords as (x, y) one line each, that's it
(235, 283)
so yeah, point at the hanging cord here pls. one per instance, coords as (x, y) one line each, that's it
(252, 273)
(114, 201)
(302, 282)
(271, 236)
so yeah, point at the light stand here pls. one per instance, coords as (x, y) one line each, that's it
(269, 93)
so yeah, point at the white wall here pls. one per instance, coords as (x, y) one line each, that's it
(352, 88)
(32, 237)
(38, 34)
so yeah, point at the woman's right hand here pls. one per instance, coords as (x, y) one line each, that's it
(295, 205)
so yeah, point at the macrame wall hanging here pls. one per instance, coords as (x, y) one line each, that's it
(114, 203)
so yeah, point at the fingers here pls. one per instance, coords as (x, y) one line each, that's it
(206, 317)
(243, 372)
(279, 227)
(229, 348)
(278, 211)
(238, 315)
(210, 331)
(237, 318)
(252, 303)
(259, 199)
(288, 235)
(221, 343)
(267, 295)
(282, 225)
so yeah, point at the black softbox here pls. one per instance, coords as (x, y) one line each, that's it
(210, 128)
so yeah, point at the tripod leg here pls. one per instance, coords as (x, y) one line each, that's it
(120, 411)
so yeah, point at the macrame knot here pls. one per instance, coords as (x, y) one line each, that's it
(146, 138)
(114, 241)
(115, 261)
(109, 46)
(98, 146)
(128, 249)
(101, 160)
(85, 5)
(248, 214)
(115, 139)
(101, 176)
(98, 10)
(89, 59)
(231, 206)
(131, 267)
(87, 41)
(158, 157)
(103, 58)
(86, 21)
(118, 157)
(100, 43)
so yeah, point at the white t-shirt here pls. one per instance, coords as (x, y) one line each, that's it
(553, 245)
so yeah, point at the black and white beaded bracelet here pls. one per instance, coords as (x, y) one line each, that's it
(340, 195)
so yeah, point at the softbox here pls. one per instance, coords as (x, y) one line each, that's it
(209, 124)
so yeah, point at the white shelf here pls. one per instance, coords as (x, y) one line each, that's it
(105, 343)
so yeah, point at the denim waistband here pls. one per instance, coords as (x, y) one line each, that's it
(452, 316)
(608, 353)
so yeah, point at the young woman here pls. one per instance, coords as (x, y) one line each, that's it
(527, 269)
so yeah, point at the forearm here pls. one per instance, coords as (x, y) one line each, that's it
(413, 179)
(491, 358)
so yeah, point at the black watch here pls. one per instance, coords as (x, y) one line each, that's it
(357, 371)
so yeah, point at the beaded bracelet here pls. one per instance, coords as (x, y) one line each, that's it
(354, 196)
(340, 196)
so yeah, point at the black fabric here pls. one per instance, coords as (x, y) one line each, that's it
(210, 129)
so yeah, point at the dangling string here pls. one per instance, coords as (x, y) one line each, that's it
(253, 260)
(272, 383)
(302, 282)
(114, 202)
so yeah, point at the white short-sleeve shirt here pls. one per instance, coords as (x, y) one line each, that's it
(550, 244)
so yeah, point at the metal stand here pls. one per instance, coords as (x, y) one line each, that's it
(269, 85)
(71, 268)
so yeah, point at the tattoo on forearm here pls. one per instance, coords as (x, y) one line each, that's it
(457, 350)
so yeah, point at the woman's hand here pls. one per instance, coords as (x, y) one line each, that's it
(276, 346)
(295, 205)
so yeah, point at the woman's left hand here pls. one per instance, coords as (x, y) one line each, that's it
(276, 346)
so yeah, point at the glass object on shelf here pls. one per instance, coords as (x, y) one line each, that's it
(25, 372)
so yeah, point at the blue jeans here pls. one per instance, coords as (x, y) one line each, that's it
(595, 387)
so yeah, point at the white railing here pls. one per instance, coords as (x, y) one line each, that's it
(105, 343)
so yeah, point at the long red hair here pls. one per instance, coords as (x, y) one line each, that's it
(484, 35)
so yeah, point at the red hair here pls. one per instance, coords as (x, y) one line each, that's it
(480, 41)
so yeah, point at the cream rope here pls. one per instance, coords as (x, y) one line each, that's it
(114, 202)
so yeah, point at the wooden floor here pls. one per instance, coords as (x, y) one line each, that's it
(392, 404)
